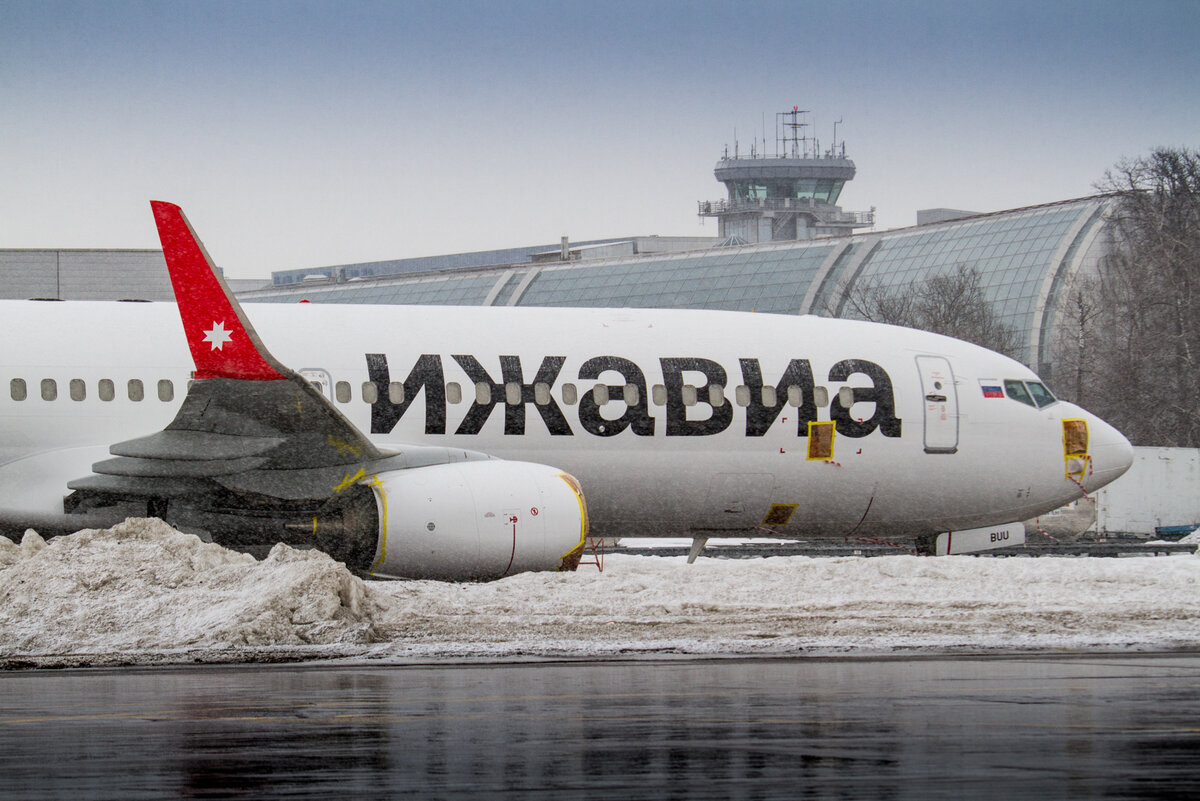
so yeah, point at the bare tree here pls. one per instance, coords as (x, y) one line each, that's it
(1077, 340)
(953, 304)
(1139, 366)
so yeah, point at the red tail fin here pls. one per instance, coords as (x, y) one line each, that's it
(222, 341)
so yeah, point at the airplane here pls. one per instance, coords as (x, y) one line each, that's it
(417, 442)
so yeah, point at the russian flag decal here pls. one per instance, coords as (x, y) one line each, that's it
(991, 388)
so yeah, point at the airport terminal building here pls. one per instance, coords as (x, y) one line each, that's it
(1024, 257)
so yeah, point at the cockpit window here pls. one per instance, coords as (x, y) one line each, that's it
(1031, 393)
(1016, 390)
(1041, 395)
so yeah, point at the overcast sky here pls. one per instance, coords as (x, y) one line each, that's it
(300, 134)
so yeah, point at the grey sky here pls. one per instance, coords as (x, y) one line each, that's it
(309, 133)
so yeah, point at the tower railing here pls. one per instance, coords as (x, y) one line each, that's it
(824, 212)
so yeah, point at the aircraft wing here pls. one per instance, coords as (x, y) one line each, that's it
(257, 455)
(247, 419)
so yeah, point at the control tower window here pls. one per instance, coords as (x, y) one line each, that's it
(748, 191)
(822, 190)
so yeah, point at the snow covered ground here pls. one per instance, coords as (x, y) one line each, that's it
(142, 593)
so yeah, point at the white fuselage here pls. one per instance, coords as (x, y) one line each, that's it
(657, 458)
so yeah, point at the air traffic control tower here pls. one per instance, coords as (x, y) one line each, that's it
(789, 195)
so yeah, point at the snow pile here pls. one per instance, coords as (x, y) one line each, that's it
(143, 586)
(787, 605)
(1192, 539)
(145, 593)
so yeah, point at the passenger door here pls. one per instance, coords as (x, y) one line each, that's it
(941, 404)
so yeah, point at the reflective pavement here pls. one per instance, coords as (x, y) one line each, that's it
(1058, 726)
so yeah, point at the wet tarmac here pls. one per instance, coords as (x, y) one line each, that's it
(1062, 726)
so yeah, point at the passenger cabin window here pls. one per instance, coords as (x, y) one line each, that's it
(49, 389)
(600, 394)
(396, 392)
(166, 390)
(17, 389)
(512, 393)
(658, 394)
(716, 395)
(341, 391)
(105, 389)
(541, 393)
(483, 393)
(570, 394)
(370, 392)
(631, 395)
(769, 398)
(741, 395)
(820, 396)
(78, 389)
(454, 392)
(1016, 390)
(689, 395)
(135, 389)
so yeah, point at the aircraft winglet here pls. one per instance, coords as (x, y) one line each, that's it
(222, 341)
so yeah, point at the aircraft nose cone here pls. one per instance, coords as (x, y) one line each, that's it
(1111, 454)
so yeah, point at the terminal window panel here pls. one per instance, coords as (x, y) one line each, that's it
(776, 282)
(1011, 256)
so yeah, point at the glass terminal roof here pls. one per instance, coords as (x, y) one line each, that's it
(1022, 256)
(1013, 253)
(763, 279)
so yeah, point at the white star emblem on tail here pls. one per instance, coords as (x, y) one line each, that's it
(217, 335)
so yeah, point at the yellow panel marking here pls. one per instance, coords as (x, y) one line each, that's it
(573, 483)
(1075, 446)
(780, 514)
(342, 446)
(350, 479)
(383, 528)
(1075, 437)
(820, 440)
(1084, 463)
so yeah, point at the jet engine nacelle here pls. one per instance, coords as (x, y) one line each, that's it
(477, 519)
